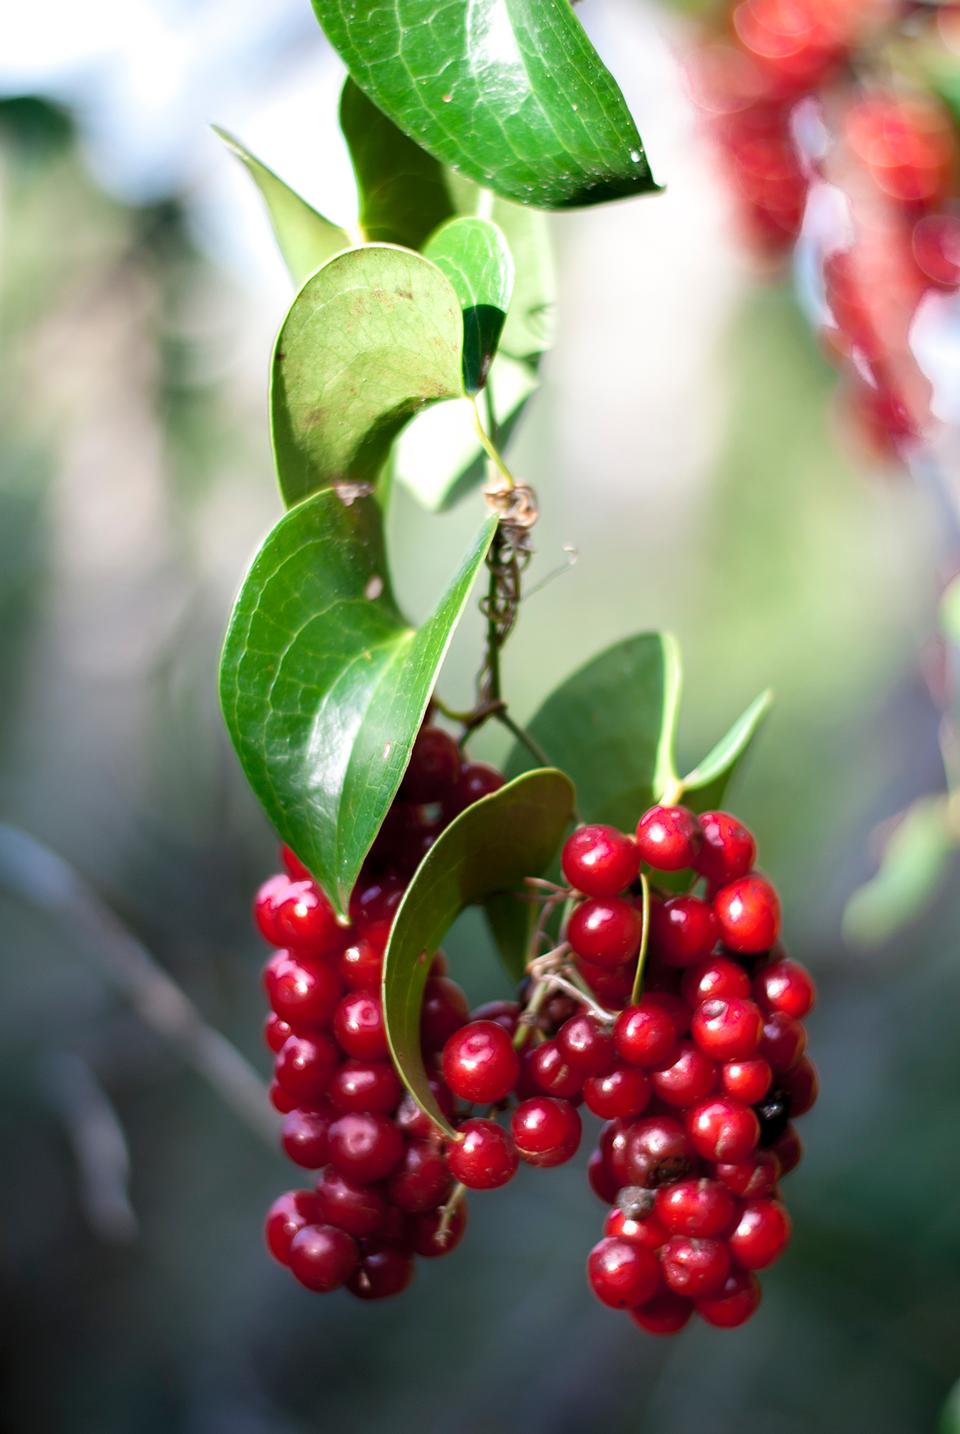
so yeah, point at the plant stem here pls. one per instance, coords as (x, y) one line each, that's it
(535, 750)
(492, 692)
(644, 941)
(490, 448)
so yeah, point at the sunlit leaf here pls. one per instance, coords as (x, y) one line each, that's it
(473, 254)
(703, 788)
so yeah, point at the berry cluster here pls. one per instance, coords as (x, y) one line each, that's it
(383, 1177)
(868, 172)
(698, 1079)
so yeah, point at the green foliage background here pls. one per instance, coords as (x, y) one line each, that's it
(133, 472)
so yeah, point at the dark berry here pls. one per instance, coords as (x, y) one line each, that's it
(668, 838)
(727, 1030)
(375, 900)
(786, 986)
(484, 1157)
(429, 1243)
(734, 1302)
(694, 1267)
(695, 1207)
(361, 966)
(748, 914)
(665, 1313)
(422, 1181)
(287, 1215)
(415, 1122)
(480, 1064)
(586, 1045)
(600, 861)
(621, 1093)
(788, 1150)
(365, 1147)
(605, 932)
(752, 1179)
(384, 1270)
(476, 780)
(728, 851)
(783, 1042)
(545, 1131)
(657, 1151)
(683, 931)
(622, 1274)
(801, 1087)
(444, 1011)
(548, 1069)
(305, 1065)
(773, 1113)
(601, 1182)
(722, 1129)
(323, 1257)
(645, 1034)
(359, 1026)
(358, 1209)
(503, 1013)
(689, 1076)
(434, 767)
(304, 1137)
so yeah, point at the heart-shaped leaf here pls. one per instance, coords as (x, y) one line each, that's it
(703, 788)
(612, 726)
(438, 458)
(486, 851)
(324, 685)
(374, 337)
(511, 92)
(306, 240)
(402, 190)
(473, 254)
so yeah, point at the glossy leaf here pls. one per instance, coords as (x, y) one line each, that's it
(374, 337)
(488, 850)
(703, 788)
(438, 458)
(306, 240)
(473, 254)
(914, 864)
(324, 685)
(612, 727)
(510, 92)
(402, 190)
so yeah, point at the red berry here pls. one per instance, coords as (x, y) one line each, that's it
(643, 1230)
(305, 993)
(786, 986)
(305, 1065)
(610, 984)
(545, 1131)
(280, 1099)
(294, 866)
(444, 1011)
(788, 1150)
(656, 1151)
(484, 1157)
(361, 966)
(727, 1030)
(683, 931)
(601, 1182)
(358, 1209)
(586, 1045)
(287, 1215)
(694, 1267)
(304, 1137)
(801, 1087)
(422, 1181)
(695, 1207)
(936, 248)
(374, 900)
(365, 1147)
(623, 1092)
(668, 838)
(273, 968)
(722, 1129)
(600, 861)
(359, 1026)
(480, 1064)
(322, 1257)
(728, 850)
(384, 1270)
(688, 1077)
(548, 1070)
(434, 767)
(783, 1043)
(414, 1122)
(748, 914)
(716, 979)
(367, 1086)
(733, 1303)
(665, 1313)
(275, 1031)
(305, 920)
(645, 1034)
(476, 780)
(748, 1080)
(752, 1179)
(503, 1013)
(622, 1274)
(762, 1234)
(605, 932)
(427, 1240)
(273, 890)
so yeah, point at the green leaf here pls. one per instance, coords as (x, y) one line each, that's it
(305, 238)
(473, 254)
(402, 190)
(913, 865)
(438, 458)
(488, 850)
(612, 727)
(324, 685)
(511, 92)
(703, 788)
(374, 337)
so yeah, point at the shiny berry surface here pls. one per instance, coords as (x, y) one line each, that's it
(480, 1064)
(323, 1257)
(600, 861)
(546, 1131)
(669, 838)
(748, 915)
(606, 932)
(622, 1274)
(485, 1156)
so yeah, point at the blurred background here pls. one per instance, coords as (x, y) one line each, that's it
(686, 443)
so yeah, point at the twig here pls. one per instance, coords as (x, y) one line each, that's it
(98, 1142)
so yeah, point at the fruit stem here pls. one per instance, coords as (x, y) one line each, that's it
(489, 446)
(533, 747)
(644, 940)
(454, 1200)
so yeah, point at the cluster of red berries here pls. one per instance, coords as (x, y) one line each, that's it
(698, 1080)
(869, 173)
(383, 1177)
